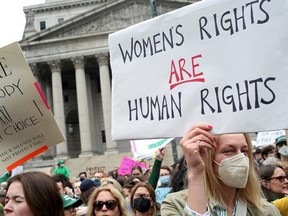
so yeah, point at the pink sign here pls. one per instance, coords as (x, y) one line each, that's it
(127, 164)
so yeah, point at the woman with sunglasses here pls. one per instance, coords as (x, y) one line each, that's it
(107, 201)
(143, 200)
(274, 182)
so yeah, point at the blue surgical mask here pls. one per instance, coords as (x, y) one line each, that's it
(165, 180)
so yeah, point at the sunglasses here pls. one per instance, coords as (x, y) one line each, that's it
(280, 178)
(110, 205)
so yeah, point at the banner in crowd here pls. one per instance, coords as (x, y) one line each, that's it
(268, 137)
(222, 63)
(127, 164)
(27, 127)
(147, 148)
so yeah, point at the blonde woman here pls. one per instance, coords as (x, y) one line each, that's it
(107, 200)
(221, 177)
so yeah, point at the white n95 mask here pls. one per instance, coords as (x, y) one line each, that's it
(233, 171)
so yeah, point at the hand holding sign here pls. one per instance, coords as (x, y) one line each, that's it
(28, 127)
(174, 66)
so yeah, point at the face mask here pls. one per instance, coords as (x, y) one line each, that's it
(233, 171)
(165, 180)
(142, 204)
(82, 179)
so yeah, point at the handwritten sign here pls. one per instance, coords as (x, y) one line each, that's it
(92, 170)
(127, 164)
(146, 148)
(268, 137)
(208, 62)
(27, 126)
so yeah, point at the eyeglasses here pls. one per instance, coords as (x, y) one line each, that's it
(71, 209)
(279, 178)
(110, 205)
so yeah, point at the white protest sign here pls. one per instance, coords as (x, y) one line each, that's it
(27, 127)
(268, 137)
(17, 170)
(145, 148)
(218, 62)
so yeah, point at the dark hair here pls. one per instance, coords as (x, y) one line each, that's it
(121, 180)
(63, 179)
(41, 193)
(166, 168)
(266, 150)
(86, 194)
(82, 173)
(137, 168)
(113, 174)
(266, 172)
(179, 178)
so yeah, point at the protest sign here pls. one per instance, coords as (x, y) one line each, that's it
(28, 127)
(146, 148)
(218, 62)
(17, 170)
(127, 164)
(268, 137)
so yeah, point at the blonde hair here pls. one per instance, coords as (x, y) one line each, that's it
(115, 183)
(122, 206)
(252, 193)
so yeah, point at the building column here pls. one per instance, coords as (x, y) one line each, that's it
(58, 105)
(102, 59)
(49, 98)
(35, 71)
(83, 108)
(93, 128)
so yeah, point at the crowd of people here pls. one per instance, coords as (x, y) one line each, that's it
(217, 175)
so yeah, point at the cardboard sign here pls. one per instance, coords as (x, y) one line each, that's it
(222, 63)
(27, 126)
(146, 148)
(127, 164)
(268, 137)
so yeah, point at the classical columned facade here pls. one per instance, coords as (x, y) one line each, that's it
(82, 101)
(106, 97)
(73, 83)
(66, 46)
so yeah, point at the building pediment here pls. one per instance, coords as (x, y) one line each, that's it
(101, 19)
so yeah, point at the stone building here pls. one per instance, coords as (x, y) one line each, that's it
(66, 45)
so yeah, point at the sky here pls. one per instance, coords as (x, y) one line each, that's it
(12, 20)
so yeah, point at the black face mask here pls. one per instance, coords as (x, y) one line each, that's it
(142, 204)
